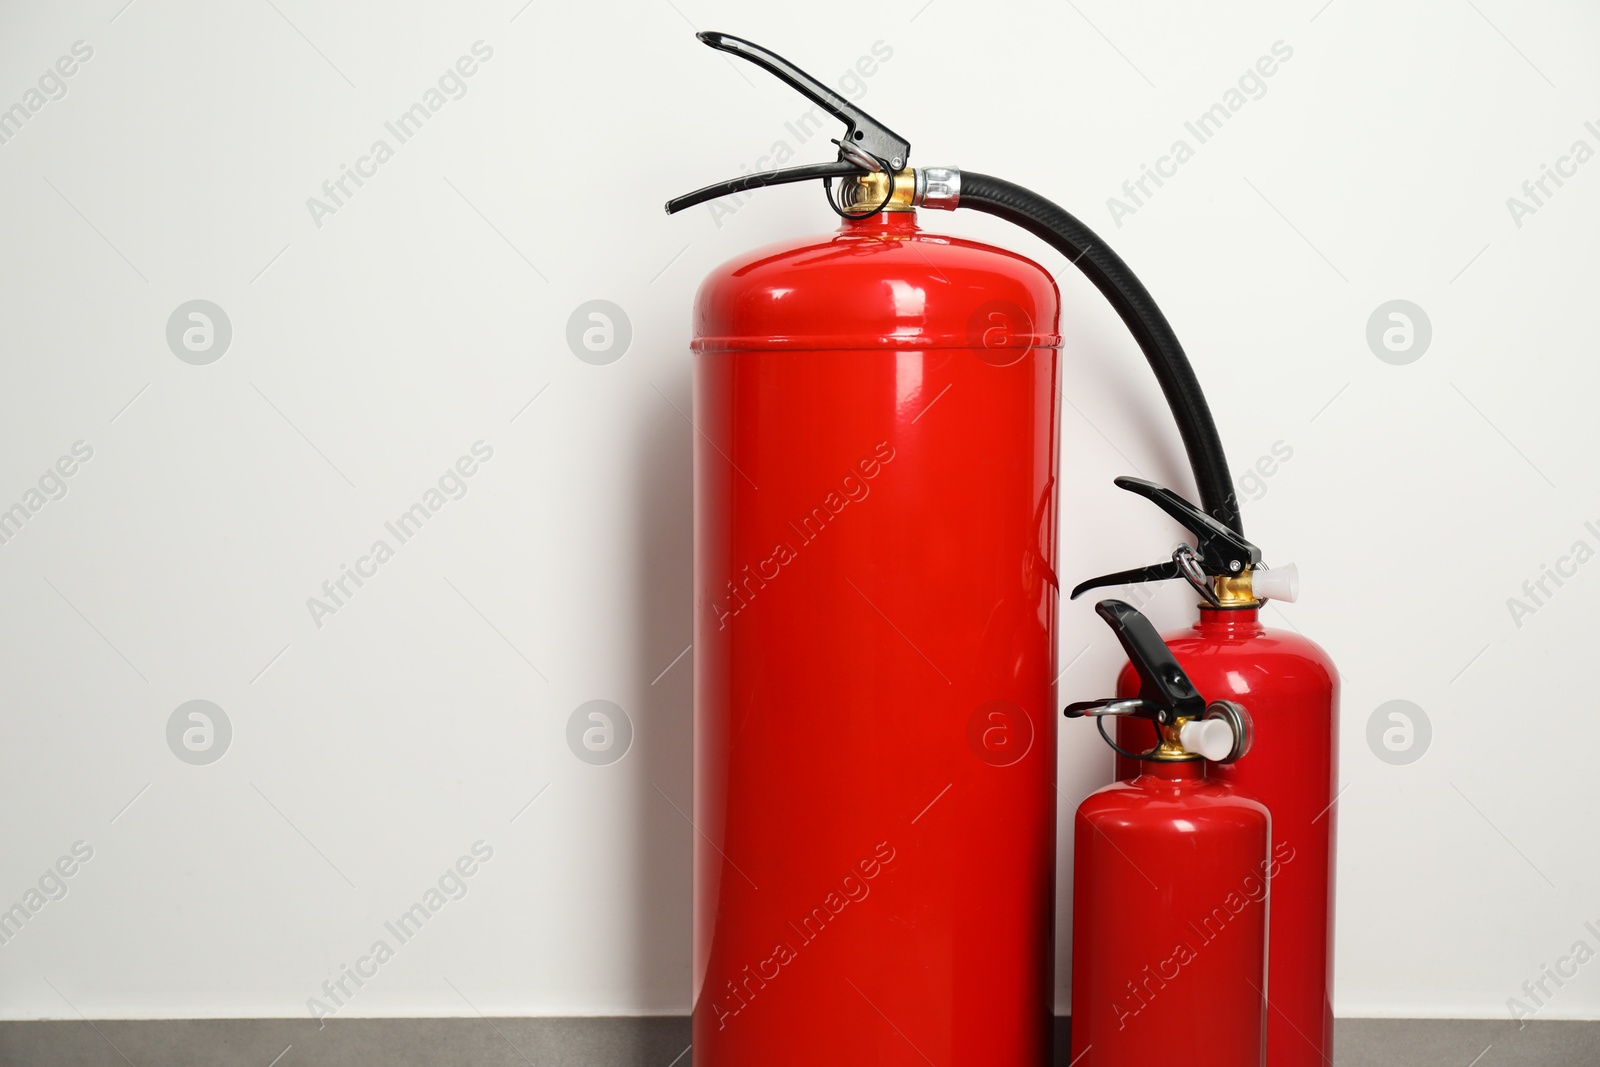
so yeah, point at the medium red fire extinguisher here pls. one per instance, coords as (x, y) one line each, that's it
(1292, 690)
(875, 614)
(1171, 875)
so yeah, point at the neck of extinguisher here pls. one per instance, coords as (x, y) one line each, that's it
(887, 222)
(1242, 621)
(1173, 770)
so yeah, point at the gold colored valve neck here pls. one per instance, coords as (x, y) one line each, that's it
(1170, 749)
(1234, 590)
(865, 192)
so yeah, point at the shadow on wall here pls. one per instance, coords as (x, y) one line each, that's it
(662, 772)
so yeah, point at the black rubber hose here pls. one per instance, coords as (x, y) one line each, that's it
(1139, 313)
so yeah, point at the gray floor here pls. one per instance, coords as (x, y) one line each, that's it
(656, 1042)
(1464, 1043)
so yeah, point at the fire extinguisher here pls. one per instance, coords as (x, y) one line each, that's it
(1292, 690)
(876, 420)
(1171, 876)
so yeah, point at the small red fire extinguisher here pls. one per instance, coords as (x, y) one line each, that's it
(1292, 690)
(1171, 874)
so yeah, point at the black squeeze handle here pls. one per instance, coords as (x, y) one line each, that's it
(861, 129)
(1219, 549)
(1161, 681)
(867, 144)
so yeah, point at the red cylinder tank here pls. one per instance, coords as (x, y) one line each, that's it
(1291, 689)
(1169, 922)
(875, 598)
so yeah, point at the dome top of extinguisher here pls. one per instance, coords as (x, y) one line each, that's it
(879, 284)
(1222, 566)
(1188, 727)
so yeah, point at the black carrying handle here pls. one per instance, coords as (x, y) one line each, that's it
(1218, 549)
(1165, 692)
(867, 144)
(841, 168)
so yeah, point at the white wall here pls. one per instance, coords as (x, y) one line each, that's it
(371, 352)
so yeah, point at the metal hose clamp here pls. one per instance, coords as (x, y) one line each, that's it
(938, 188)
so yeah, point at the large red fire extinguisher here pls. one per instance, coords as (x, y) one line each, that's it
(875, 612)
(875, 608)
(1171, 875)
(1292, 690)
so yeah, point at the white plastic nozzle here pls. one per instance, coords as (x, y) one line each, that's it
(1278, 583)
(1211, 738)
